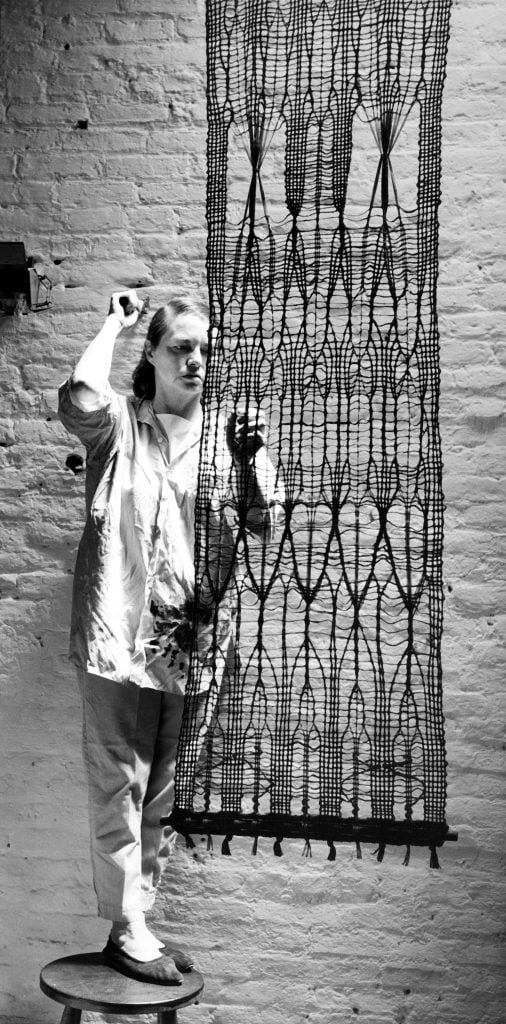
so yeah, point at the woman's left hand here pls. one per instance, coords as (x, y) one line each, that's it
(246, 432)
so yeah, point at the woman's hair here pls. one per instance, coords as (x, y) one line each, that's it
(143, 377)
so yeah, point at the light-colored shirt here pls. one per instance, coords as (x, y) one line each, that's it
(133, 596)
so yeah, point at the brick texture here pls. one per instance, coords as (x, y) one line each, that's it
(102, 176)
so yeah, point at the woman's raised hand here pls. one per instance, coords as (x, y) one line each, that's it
(246, 432)
(126, 306)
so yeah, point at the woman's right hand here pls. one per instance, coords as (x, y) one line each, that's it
(89, 379)
(126, 306)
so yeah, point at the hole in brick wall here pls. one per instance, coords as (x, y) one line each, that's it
(75, 463)
(83, 125)
(67, 46)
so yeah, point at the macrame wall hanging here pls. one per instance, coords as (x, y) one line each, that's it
(324, 143)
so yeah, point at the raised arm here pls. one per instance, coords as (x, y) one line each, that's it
(91, 374)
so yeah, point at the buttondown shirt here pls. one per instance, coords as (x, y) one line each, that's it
(134, 579)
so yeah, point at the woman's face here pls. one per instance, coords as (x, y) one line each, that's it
(179, 362)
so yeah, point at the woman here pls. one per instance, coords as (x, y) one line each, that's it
(133, 589)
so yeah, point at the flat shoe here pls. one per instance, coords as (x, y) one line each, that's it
(183, 961)
(160, 971)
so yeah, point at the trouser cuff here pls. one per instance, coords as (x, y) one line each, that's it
(113, 913)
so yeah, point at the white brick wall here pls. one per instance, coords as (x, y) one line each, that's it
(123, 203)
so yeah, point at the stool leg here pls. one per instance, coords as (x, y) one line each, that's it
(167, 1017)
(71, 1016)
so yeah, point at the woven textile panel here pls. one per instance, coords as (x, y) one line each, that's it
(324, 142)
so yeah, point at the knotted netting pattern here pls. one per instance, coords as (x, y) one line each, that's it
(324, 141)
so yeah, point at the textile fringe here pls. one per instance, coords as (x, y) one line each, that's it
(278, 852)
(407, 856)
(380, 852)
(225, 846)
(307, 849)
(332, 850)
(434, 859)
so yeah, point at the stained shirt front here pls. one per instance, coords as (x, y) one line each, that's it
(134, 578)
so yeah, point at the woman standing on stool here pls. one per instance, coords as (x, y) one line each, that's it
(133, 586)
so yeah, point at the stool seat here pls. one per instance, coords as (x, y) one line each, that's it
(84, 982)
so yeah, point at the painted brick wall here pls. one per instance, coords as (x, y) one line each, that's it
(102, 175)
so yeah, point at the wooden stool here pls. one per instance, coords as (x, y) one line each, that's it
(84, 982)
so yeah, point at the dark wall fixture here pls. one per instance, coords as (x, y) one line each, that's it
(22, 288)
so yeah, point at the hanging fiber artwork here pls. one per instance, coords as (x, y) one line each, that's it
(324, 140)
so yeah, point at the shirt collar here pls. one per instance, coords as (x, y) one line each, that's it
(146, 414)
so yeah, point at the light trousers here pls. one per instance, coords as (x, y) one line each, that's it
(130, 736)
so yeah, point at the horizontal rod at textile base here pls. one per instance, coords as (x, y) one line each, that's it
(345, 830)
